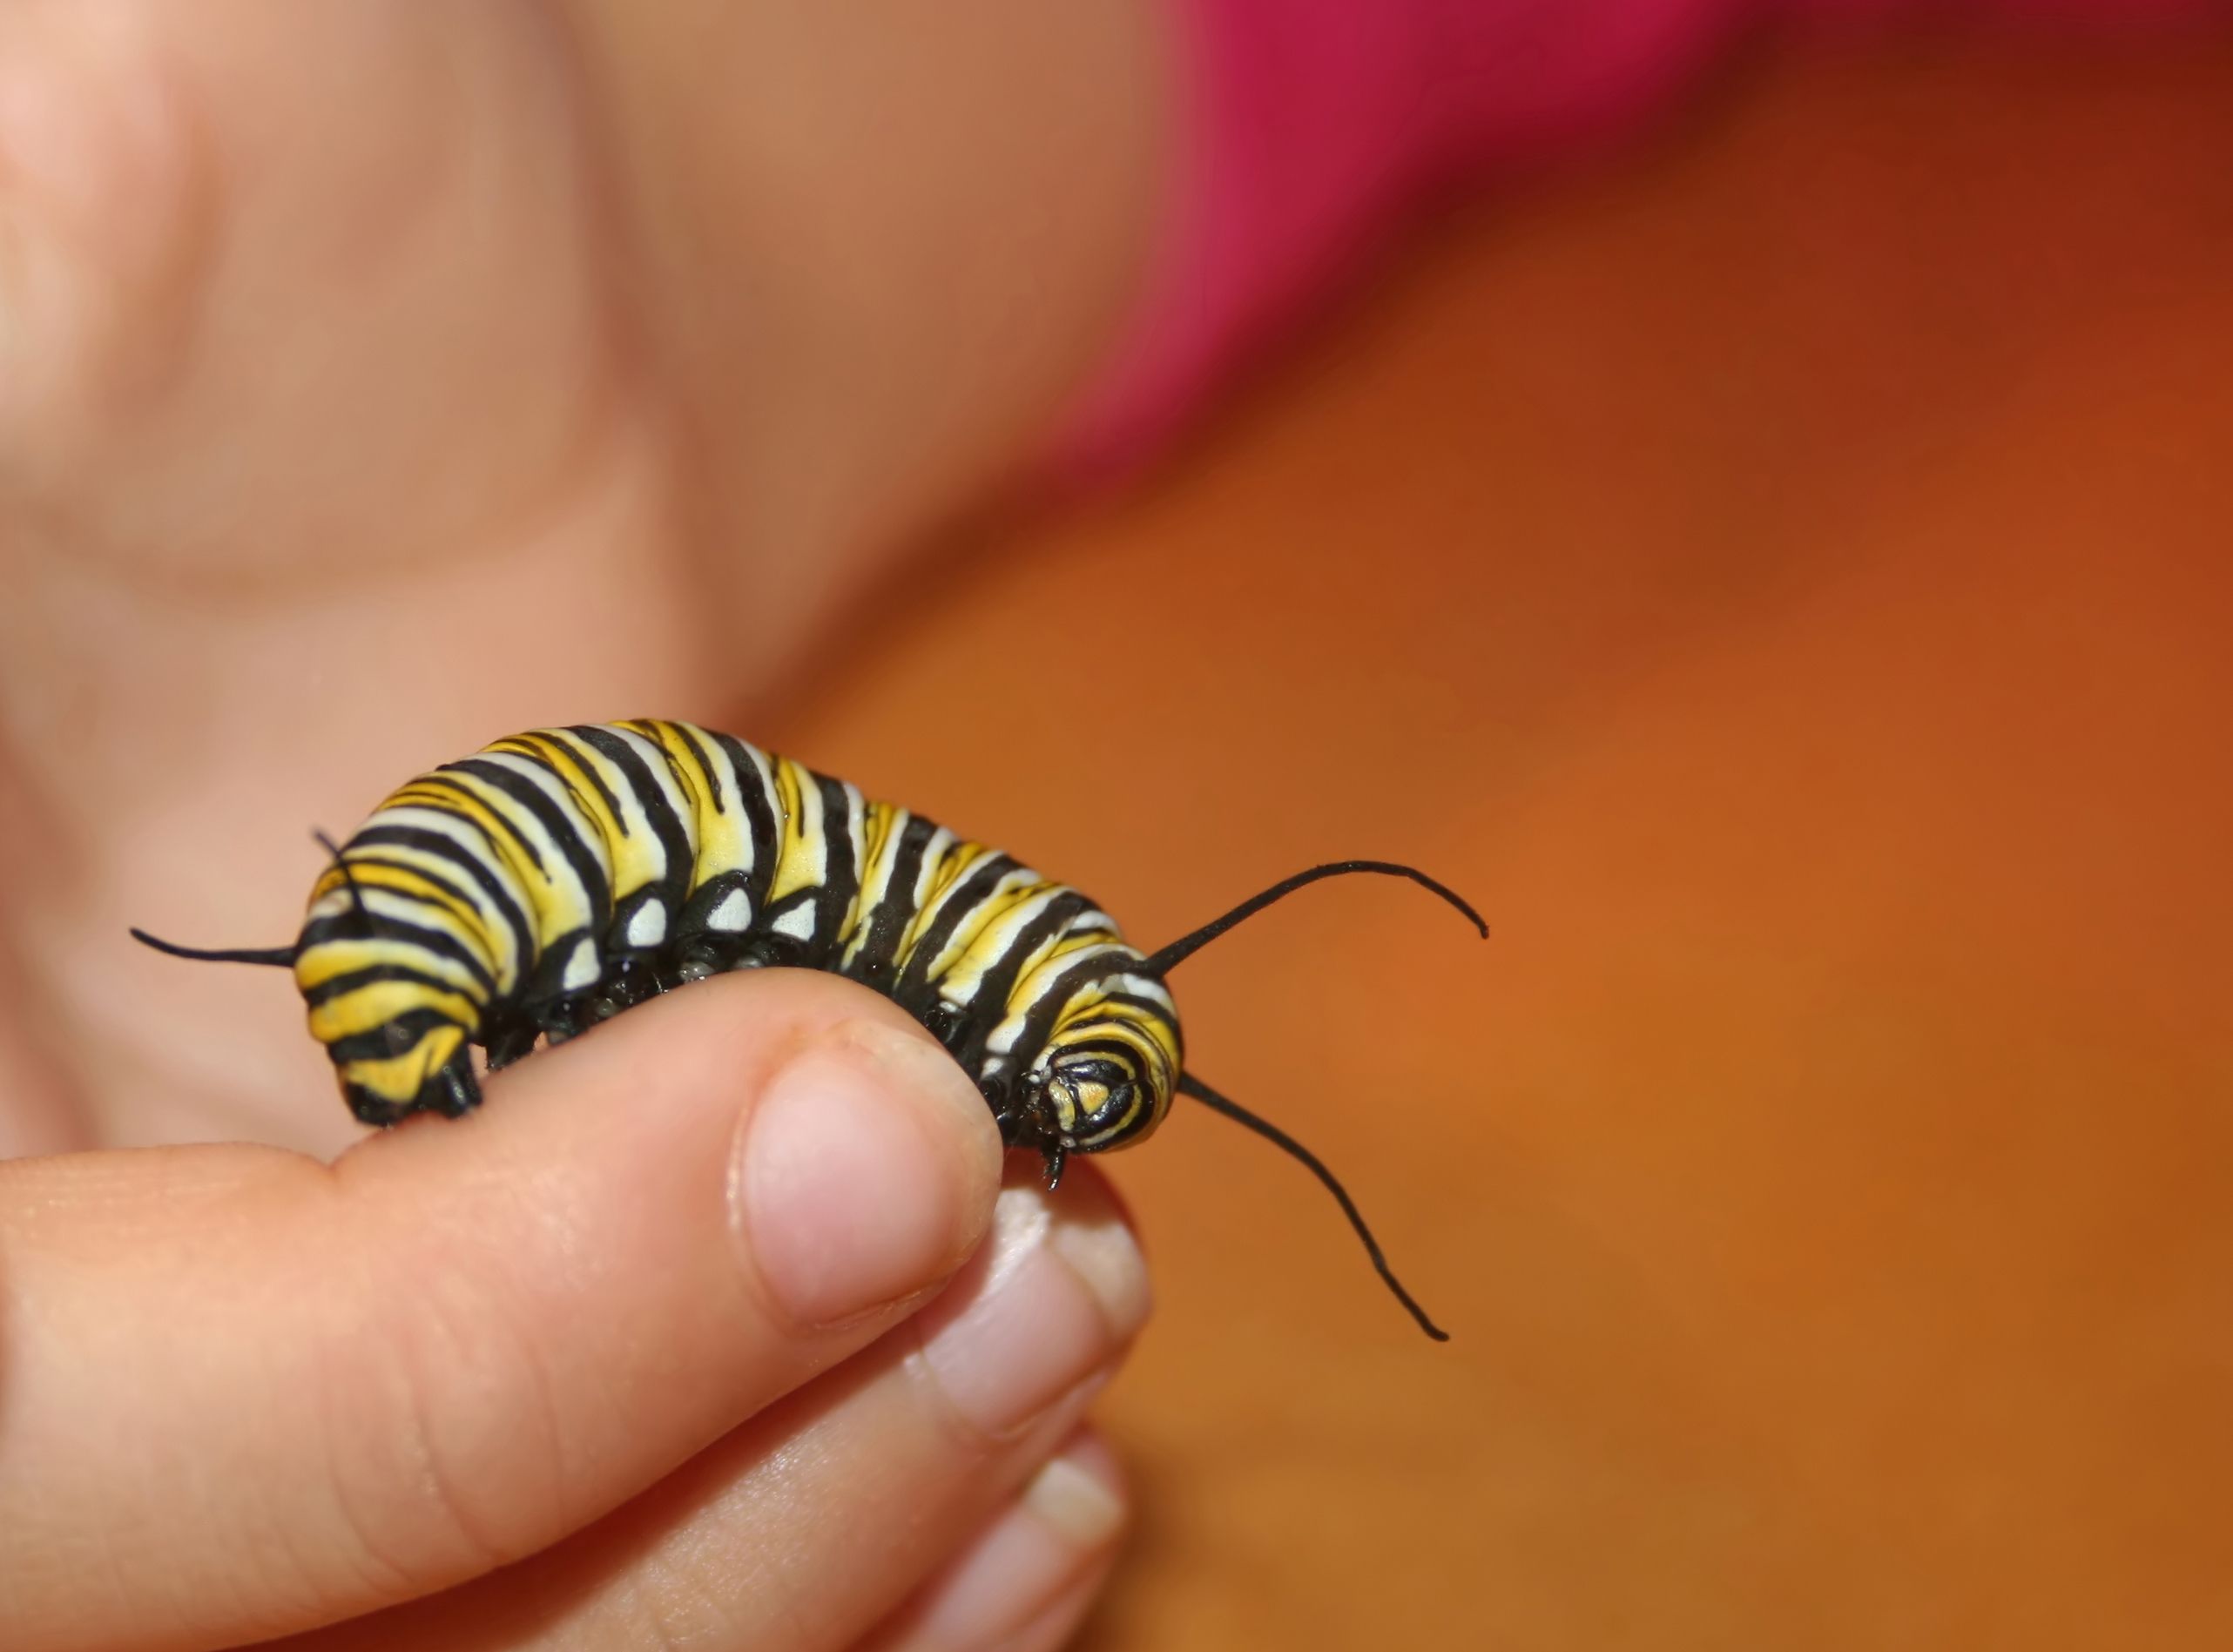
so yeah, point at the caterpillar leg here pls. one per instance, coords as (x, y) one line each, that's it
(376, 1110)
(510, 1041)
(453, 1091)
(1021, 1127)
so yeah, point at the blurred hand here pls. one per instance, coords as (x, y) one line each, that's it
(378, 379)
(622, 1360)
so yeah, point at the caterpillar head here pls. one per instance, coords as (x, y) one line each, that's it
(1104, 1077)
(1102, 1084)
(1093, 1098)
(397, 1017)
(430, 1072)
(400, 1046)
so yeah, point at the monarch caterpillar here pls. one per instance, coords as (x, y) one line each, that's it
(556, 878)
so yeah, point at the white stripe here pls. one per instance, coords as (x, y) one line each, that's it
(505, 967)
(363, 954)
(582, 969)
(1028, 992)
(649, 927)
(980, 914)
(991, 945)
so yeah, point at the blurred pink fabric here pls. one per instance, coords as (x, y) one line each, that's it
(1311, 127)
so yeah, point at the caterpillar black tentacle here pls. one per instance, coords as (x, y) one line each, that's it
(1186, 945)
(1189, 1085)
(276, 957)
(356, 895)
(559, 877)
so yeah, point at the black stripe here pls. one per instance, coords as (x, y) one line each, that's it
(488, 874)
(347, 927)
(1136, 1000)
(990, 1006)
(760, 804)
(568, 837)
(433, 938)
(561, 752)
(1039, 1023)
(440, 783)
(914, 989)
(704, 760)
(666, 826)
(375, 1046)
(455, 891)
(841, 870)
(341, 986)
(887, 925)
(1123, 1052)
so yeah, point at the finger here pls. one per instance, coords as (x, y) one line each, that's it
(1029, 1578)
(293, 1393)
(814, 1521)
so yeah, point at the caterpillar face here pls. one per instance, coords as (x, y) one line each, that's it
(1107, 1082)
(1095, 1099)
(1084, 1100)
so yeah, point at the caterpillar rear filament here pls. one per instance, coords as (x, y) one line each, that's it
(557, 878)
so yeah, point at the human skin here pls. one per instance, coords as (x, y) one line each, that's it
(374, 381)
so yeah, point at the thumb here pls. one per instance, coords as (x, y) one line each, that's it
(244, 1392)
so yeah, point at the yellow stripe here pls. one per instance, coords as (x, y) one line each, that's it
(463, 800)
(960, 859)
(882, 824)
(637, 856)
(417, 886)
(374, 1005)
(802, 862)
(699, 789)
(989, 935)
(954, 869)
(572, 767)
(399, 1079)
(554, 894)
(724, 839)
(331, 959)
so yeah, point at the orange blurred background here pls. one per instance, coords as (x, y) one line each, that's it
(1783, 576)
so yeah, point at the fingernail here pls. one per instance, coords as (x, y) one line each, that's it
(1079, 1507)
(861, 1176)
(1060, 1288)
(1031, 1558)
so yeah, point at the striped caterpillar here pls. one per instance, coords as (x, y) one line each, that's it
(557, 878)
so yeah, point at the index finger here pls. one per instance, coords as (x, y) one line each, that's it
(244, 1393)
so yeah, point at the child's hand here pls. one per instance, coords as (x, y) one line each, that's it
(622, 1360)
(375, 380)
